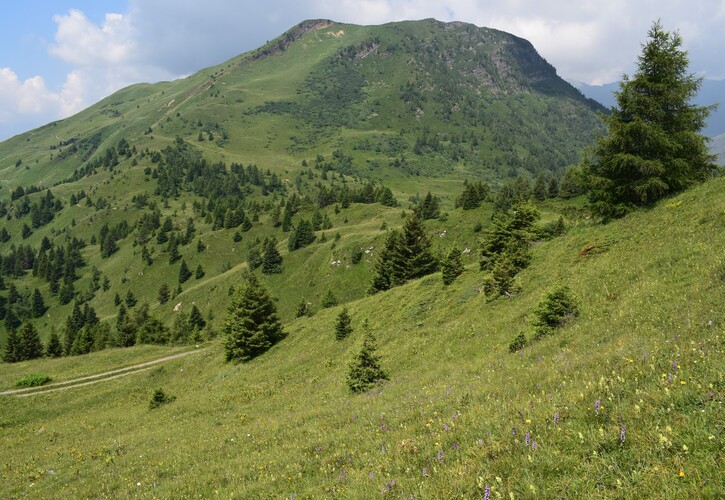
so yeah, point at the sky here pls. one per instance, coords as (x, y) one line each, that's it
(59, 56)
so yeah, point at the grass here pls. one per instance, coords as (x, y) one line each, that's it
(624, 401)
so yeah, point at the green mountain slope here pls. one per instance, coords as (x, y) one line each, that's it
(351, 125)
(623, 401)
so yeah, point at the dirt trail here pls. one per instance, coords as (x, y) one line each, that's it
(94, 379)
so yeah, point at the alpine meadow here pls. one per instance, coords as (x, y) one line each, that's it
(405, 260)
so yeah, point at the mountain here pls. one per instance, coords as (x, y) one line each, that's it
(717, 147)
(325, 115)
(711, 93)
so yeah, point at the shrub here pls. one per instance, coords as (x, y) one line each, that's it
(34, 380)
(556, 309)
(518, 343)
(159, 397)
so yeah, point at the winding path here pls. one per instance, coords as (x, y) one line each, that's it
(94, 379)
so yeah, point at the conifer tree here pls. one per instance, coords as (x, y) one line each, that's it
(12, 348)
(654, 146)
(130, 299)
(199, 273)
(343, 325)
(38, 305)
(540, 185)
(30, 345)
(184, 272)
(54, 349)
(271, 259)
(414, 259)
(452, 266)
(251, 326)
(196, 320)
(365, 370)
(164, 293)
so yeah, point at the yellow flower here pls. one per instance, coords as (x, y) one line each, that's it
(682, 473)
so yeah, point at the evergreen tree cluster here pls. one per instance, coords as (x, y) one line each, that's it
(407, 255)
(473, 195)
(23, 346)
(429, 207)
(505, 248)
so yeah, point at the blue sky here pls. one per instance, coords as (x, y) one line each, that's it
(59, 56)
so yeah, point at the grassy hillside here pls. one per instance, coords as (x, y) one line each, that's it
(624, 401)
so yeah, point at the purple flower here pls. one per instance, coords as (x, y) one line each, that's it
(533, 445)
(425, 472)
(528, 438)
(455, 446)
(487, 493)
(597, 405)
(556, 418)
(445, 427)
(370, 475)
(622, 433)
(674, 365)
(440, 455)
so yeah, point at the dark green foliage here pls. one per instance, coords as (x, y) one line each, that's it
(271, 258)
(343, 325)
(301, 236)
(518, 343)
(329, 300)
(429, 208)
(4, 235)
(199, 273)
(130, 299)
(83, 342)
(152, 331)
(357, 255)
(67, 292)
(302, 309)
(146, 256)
(11, 319)
(54, 349)
(184, 272)
(196, 320)
(12, 348)
(509, 234)
(654, 147)
(38, 305)
(557, 308)
(30, 345)
(540, 187)
(365, 370)
(501, 280)
(514, 192)
(251, 326)
(553, 190)
(473, 195)
(452, 266)
(34, 380)
(572, 184)
(159, 397)
(407, 255)
(26, 231)
(200, 246)
(164, 293)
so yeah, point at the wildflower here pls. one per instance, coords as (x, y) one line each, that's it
(528, 438)
(533, 445)
(425, 472)
(479, 442)
(682, 473)
(556, 418)
(674, 365)
(370, 475)
(622, 433)
(487, 493)
(455, 446)
(597, 405)
(440, 455)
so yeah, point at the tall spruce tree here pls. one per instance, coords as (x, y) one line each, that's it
(271, 259)
(54, 349)
(30, 345)
(365, 370)
(251, 326)
(12, 349)
(654, 146)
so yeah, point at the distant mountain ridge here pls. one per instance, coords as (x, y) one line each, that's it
(712, 92)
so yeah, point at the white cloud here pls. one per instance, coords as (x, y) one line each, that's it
(593, 41)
